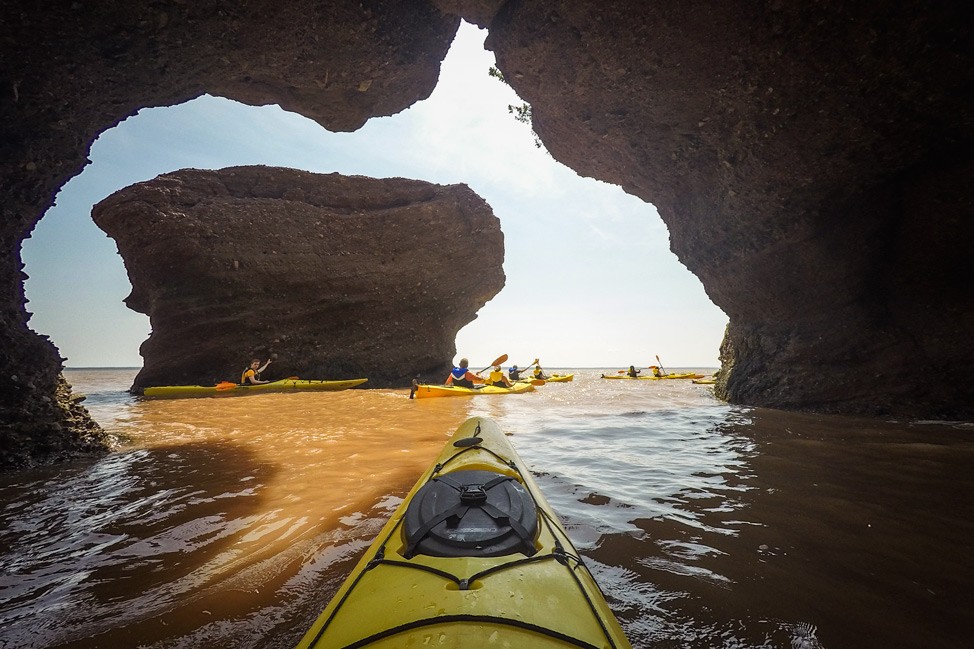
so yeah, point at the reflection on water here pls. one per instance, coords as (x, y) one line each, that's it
(231, 521)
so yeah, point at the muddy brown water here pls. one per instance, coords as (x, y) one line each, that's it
(230, 522)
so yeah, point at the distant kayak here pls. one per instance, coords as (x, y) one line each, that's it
(704, 381)
(560, 378)
(424, 391)
(233, 389)
(473, 557)
(688, 375)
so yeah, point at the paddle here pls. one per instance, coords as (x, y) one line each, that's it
(497, 361)
(661, 368)
(225, 385)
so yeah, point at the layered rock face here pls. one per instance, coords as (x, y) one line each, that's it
(333, 276)
(811, 161)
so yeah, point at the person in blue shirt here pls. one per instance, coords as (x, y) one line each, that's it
(462, 377)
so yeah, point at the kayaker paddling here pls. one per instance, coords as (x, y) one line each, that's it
(251, 375)
(539, 373)
(497, 378)
(461, 376)
(633, 372)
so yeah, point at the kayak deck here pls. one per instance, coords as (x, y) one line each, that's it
(533, 591)
(424, 391)
(233, 389)
(687, 375)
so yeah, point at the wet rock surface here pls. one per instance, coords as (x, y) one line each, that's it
(333, 276)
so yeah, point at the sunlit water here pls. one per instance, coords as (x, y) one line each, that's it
(230, 522)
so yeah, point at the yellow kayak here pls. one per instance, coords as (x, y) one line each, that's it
(234, 389)
(423, 391)
(688, 375)
(560, 378)
(474, 557)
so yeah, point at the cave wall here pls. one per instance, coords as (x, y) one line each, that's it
(809, 159)
(810, 162)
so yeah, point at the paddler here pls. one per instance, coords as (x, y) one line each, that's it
(514, 374)
(462, 377)
(633, 372)
(251, 375)
(656, 371)
(539, 373)
(496, 377)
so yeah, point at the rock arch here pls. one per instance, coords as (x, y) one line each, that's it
(811, 162)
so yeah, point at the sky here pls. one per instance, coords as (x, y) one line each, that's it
(591, 281)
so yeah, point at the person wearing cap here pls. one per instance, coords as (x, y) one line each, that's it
(496, 377)
(633, 372)
(462, 377)
(514, 374)
(656, 371)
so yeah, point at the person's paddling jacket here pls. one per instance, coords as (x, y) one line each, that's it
(462, 377)
(251, 375)
(496, 377)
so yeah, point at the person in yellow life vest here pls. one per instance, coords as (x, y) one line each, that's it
(496, 377)
(251, 375)
(539, 373)
(656, 371)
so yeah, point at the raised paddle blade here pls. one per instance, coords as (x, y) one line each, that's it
(500, 360)
(225, 385)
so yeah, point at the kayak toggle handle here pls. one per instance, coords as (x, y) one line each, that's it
(473, 494)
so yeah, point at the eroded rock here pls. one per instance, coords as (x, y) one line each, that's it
(333, 276)
(811, 161)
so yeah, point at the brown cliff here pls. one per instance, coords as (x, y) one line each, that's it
(810, 160)
(333, 276)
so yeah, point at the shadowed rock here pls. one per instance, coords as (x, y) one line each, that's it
(334, 276)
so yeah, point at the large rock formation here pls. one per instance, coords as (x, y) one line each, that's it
(810, 160)
(333, 276)
(811, 164)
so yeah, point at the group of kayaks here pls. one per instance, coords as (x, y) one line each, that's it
(419, 391)
(431, 390)
(473, 557)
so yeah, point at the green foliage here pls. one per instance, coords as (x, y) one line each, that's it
(521, 113)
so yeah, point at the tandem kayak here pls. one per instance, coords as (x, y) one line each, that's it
(234, 389)
(423, 391)
(688, 375)
(474, 557)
